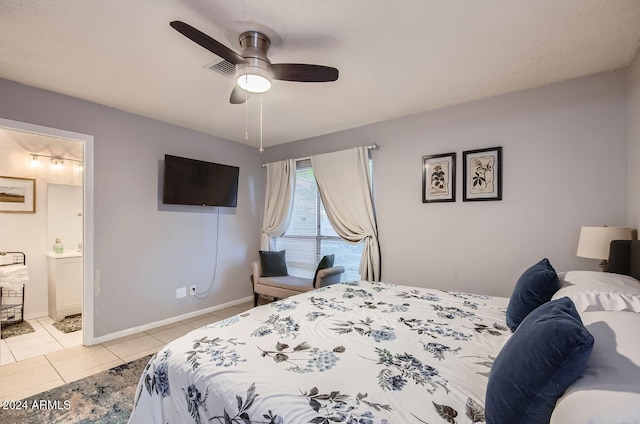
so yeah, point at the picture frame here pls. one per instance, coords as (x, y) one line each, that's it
(439, 178)
(17, 195)
(482, 174)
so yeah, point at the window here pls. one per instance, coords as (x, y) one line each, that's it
(310, 235)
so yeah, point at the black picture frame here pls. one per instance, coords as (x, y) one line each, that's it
(482, 174)
(439, 178)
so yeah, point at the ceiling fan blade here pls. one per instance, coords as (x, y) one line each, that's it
(207, 42)
(238, 96)
(303, 72)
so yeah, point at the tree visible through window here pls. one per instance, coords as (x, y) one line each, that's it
(310, 235)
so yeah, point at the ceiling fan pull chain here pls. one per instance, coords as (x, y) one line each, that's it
(246, 117)
(261, 149)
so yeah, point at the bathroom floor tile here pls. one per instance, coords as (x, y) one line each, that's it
(71, 341)
(37, 350)
(6, 357)
(22, 342)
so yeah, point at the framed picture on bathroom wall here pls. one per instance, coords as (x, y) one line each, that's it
(17, 195)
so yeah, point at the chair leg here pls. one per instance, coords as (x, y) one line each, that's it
(255, 299)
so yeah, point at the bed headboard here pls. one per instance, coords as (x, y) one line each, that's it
(624, 257)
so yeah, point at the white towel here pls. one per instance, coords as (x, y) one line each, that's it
(10, 270)
(11, 285)
(13, 277)
(17, 279)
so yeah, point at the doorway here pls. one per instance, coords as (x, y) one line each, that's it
(84, 144)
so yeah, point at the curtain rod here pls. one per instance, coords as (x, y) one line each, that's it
(373, 146)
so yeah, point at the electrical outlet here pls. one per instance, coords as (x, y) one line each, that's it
(192, 290)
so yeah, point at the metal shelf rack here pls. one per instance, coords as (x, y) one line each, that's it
(12, 301)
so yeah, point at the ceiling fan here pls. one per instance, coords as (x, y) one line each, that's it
(254, 70)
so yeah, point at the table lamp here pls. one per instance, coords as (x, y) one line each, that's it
(594, 242)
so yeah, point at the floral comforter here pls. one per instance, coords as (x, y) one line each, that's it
(359, 352)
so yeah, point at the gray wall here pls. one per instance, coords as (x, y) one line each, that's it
(565, 165)
(144, 250)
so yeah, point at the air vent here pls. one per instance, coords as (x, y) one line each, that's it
(222, 67)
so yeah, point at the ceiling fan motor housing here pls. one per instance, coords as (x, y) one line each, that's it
(255, 46)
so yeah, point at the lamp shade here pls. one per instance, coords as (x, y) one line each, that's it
(594, 241)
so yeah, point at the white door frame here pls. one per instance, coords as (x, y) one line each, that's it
(87, 213)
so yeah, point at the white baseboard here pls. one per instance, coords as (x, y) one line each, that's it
(36, 315)
(152, 325)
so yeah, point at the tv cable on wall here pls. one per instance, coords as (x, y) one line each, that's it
(205, 294)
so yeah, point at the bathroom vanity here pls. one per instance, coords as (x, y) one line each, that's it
(65, 284)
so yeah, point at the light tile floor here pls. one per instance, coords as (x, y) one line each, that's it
(47, 358)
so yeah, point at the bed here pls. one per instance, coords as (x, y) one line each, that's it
(373, 352)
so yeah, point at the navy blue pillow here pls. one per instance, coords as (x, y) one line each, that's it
(325, 262)
(547, 353)
(534, 288)
(273, 264)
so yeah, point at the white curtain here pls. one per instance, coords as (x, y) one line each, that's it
(278, 202)
(345, 189)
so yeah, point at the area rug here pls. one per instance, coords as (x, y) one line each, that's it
(17, 329)
(105, 398)
(69, 324)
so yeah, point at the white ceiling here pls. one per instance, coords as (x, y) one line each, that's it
(395, 58)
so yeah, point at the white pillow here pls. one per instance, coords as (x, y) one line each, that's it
(608, 392)
(599, 291)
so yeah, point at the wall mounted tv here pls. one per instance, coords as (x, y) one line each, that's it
(195, 182)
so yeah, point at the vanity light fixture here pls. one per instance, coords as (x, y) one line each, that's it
(35, 163)
(57, 162)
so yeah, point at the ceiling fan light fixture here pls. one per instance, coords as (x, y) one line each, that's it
(253, 79)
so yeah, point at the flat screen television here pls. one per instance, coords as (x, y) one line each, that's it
(196, 182)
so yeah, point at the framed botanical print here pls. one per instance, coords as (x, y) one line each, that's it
(482, 174)
(439, 178)
(17, 194)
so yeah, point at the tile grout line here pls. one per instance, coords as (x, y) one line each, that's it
(56, 370)
(163, 343)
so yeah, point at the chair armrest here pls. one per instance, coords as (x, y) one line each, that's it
(328, 276)
(256, 271)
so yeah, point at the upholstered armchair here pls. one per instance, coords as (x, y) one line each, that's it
(283, 286)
